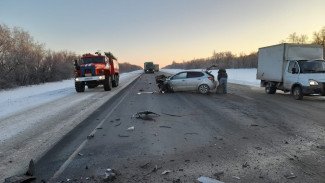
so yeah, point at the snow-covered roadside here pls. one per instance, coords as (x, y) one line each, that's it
(238, 76)
(34, 118)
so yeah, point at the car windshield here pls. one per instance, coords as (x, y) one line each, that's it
(312, 66)
(89, 60)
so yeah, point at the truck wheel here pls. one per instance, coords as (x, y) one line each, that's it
(270, 90)
(204, 89)
(108, 83)
(80, 86)
(297, 93)
(115, 81)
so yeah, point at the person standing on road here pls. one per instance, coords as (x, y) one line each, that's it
(222, 78)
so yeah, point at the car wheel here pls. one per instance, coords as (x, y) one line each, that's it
(204, 89)
(297, 93)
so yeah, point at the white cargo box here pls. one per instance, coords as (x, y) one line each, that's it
(272, 59)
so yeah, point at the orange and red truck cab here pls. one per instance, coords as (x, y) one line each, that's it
(97, 69)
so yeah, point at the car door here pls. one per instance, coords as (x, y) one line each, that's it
(193, 80)
(289, 77)
(178, 81)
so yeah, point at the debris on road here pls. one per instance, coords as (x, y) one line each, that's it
(146, 92)
(99, 128)
(258, 148)
(110, 175)
(321, 147)
(80, 154)
(290, 176)
(166, 172)
(245, 165)
(254, 125)
(123, 135)
(131, 128)
(145, 166)
(165, 126)
(90, 136)
(208, 180)
(117, 119)
(218, 174)
(236, 177)
(156, 168)
(118, 124)
(145, 113)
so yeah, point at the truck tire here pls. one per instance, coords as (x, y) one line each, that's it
(115, 81)
(108, 83)
(80, 86)
(297, 93)
(204, 89)
(270, 90)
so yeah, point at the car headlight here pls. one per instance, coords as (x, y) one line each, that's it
(77, 79)
(313, 83)
(101, 77)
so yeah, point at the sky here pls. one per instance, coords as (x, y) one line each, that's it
(162, 31)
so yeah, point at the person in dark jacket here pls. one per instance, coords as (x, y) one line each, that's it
(222, 78)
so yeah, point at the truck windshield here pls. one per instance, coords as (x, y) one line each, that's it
(89, 60)
(312, 66)
(149, 65)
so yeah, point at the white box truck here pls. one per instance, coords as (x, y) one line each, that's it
(295, 68)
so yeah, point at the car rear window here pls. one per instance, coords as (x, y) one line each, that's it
(194, 74)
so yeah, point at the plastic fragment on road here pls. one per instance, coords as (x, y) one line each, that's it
(208, 180)
(166, 172)
(131, 128)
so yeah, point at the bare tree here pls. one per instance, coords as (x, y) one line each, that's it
(319, 37)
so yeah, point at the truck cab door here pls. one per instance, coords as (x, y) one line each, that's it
(291, 74)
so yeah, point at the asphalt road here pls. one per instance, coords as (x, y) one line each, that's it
(242, 136)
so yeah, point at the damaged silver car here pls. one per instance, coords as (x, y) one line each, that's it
(201, 81)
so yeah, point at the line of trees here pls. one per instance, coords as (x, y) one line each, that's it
(229, 60)
(127, 67)
(24, 61)
(221, 60)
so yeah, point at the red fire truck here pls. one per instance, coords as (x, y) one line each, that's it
(97, 69)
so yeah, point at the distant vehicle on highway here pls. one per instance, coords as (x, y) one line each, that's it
(148, 67)
(201, 81)
(156, 66)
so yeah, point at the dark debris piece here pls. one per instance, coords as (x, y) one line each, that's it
(146, 113)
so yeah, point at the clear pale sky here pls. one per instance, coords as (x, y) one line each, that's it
(162, 31)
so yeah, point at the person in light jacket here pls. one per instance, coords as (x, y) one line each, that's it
(222, 78)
